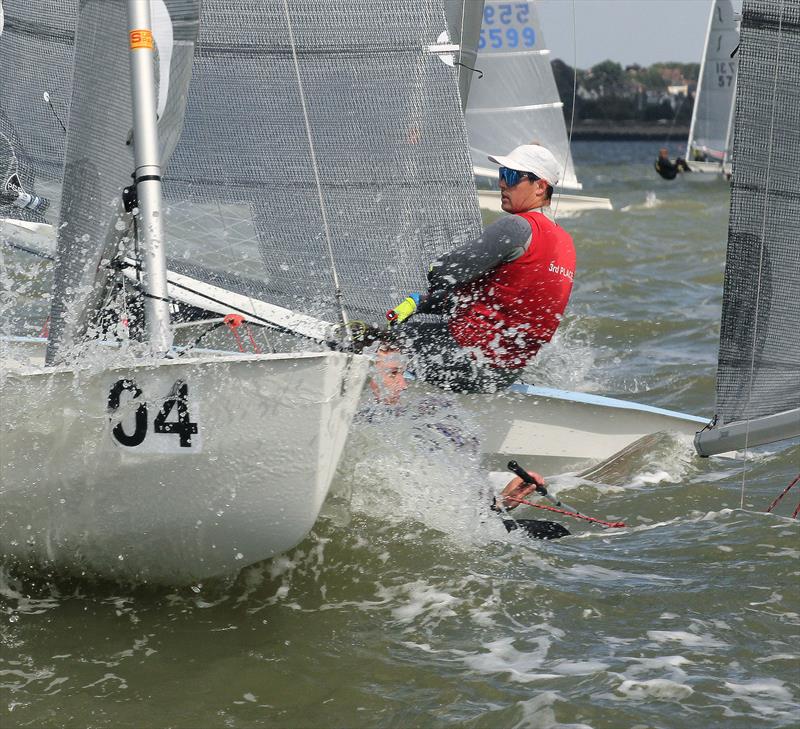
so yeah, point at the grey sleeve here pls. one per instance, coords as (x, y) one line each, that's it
(501, 242)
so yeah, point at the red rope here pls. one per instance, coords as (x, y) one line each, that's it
(253, 344)
(610, 524)
(233, 322)
(782, 494)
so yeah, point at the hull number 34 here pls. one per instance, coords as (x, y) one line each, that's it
(170, 429)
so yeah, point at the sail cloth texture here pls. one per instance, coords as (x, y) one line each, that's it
(98, 159)
(244, 210)
(759, 354)
(709, 136)
(516, 101)
(387, 143)
(35, 59)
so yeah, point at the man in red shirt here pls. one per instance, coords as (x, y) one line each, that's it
(502, 295)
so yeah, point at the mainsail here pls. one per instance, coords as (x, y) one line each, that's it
(758, 377)
(710, 131)
(330, 153)
(516, 100)
(344, 148)
(36, 43)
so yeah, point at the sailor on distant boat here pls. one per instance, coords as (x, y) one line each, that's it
(501, 295)
(667, 168)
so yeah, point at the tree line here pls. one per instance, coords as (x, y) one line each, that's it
(610, 92)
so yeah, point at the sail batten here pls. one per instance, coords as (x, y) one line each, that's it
(758, 373)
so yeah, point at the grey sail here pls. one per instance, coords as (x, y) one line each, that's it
(366, 104)
(516, 100)
(343, 147)
(709, 135)
(758, 375)
(35, 65)
(98, 159)
(36, 52)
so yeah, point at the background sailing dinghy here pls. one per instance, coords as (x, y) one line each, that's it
(515, 101)
(710, 141)
(292, 137)
(758, 373)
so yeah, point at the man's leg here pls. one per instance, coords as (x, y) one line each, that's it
(435, 357)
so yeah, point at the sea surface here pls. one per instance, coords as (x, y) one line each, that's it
(410, 606)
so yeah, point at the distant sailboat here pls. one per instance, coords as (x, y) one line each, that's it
(710, 142)
(515, 101)
(758, 374)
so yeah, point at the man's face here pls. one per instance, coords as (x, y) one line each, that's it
(388, 382)
(526, 195)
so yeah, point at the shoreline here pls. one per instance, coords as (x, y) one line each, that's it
(629, 132)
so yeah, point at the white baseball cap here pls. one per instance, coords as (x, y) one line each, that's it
(532, 158)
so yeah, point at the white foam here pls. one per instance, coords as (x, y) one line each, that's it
(690, 640)
(537, 713)
(421, 600)
(579, 668)
(655, 688)
(502, 656)
(763, 687)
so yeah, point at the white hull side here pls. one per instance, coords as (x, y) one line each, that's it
(554, 430)
(708, 168)
(271, 429)
(562, 204)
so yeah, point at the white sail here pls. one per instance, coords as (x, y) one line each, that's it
(710, 131)
(516, 100)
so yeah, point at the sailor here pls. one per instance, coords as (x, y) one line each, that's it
(500, 296)
(667, 168)
(508, 499)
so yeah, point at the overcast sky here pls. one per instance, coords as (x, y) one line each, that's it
(627, 31)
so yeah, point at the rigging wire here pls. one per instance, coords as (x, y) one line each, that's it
(765, 207)
(318, 182)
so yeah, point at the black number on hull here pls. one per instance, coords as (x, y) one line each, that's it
(140, 419)
(184, 427)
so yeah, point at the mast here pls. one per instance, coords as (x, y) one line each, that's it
(147, 176)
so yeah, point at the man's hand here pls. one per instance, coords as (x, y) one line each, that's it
(518, 489)
(403, 310)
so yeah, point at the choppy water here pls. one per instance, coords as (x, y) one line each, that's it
(412, 608)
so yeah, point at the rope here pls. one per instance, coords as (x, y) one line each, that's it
(609, 524)
(761, 247)
(334, 273)
(781, 495)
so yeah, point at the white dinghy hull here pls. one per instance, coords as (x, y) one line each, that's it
(553, 431)
(228, 463)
